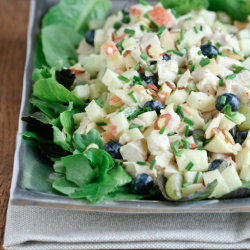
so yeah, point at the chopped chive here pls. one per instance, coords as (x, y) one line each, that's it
(182, 34)
(188, 18)
(201, 28)
(223, 100)
(234, 51)
(210, 43)
(185, 144)
(126, 19)
(117, 25)
(130, 32)
(187, 131)
(234, 114)
(179, 71)
(178, 53)
(140, 127)
(162, 130)
(124, 79)
(196, 177)
(228, 110)
(204, 62)
(98, 102)
(199, 52)
(221, 82)
(180, 152)
(192, 68)
(160, 90)
(141, 163)
(178, 109)
(190, 62)
(101, 123)
(178, 41)
(186, 184)
(137, 78)
(218, 45)
(171, 134)
(143, 2)
(153, 164)
(131, 94)
(133, 126)
(231, 77)
(139, 106)
(234, 66)
(238, 69)
(175, 146)
(189, 166)
(137, 66)
(186, 120)
(135, 114)
(214, 56)
(144, 57)
(171, 50)
(116, 13)
(222, 54)
(182, 114)
(229, 118)
(195, 29)
(147, 109)
(120, 43)
(121, 109)
(161, 29)
(201, 148)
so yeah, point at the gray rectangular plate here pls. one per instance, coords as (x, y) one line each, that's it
(31, 168)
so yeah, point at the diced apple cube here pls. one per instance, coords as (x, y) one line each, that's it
(110, 49)
(171, 169)
(148, 118)
(162, 160)
(227, 62)
(111, 80)
(239, 118)
(78, 117)
(167, 41)
(95, 112)
(201, 101)
(135, 134)
(225, 124)
(212, 66)
(129, 42)
(244, 34)
(116, 62)
(177, 97)
(245, 46)
(243, 158)
(82, 92)
(186, 191)
(95, 91)
(198, 158)
(161, 17)
(119, 123)
(232, 178)
(100, 38)
(245, 173)
(190, 177)
(130, 74)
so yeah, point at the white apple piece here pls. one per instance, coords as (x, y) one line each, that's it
(225, 123)
(201, 101)
(130, 74)
(83, 124)
(149, 39)
(171, 169)
(190, 177)
(221, 187)
(135, 151)
(130, 42)
(173, 186)
(213, 124)
(186, 191)
(167, 71)
(208, 16)
(245, 46)
(157, 143)
(111, 80)
(135, 134)
(95, 112)
(148, 131)
(134, 170)
(197, 157)
(78, 117)
(162, 160)
(94, 91)
(177, 97)
(245, 173)
(167, 41)
(119, 123)
(232, 178)
(148, 118)
(184, 80)
(243, 158)
(99, 40)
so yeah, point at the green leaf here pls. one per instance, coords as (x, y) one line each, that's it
(34, 135)
(67, 120)
(84, 140)
(64, 186)
(120, 175)
(59, 43)
(78, 169)
(76, 14)
(196, 196)
(51, 91)
(60, 139)
(40, 74)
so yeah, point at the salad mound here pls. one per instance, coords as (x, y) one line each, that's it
(150, 105)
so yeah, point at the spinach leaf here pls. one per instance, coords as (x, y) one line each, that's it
(64, 186)
(120, 175)
(78, 169)
(59, 43)
(61, 140)
(39, 74)
(34, 135)
(51, 91)
(76, 14)
(84, 140)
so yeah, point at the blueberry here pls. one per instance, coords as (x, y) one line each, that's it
(142, 184)
(218, 164)
(197, 134)
(209, 50)
(231, 99)
(166, 57)
(233, 131)
(126, 7)
(153, 62)
(66, 77)
(149, 79)
(90, 37)
(155, 106)
(241, 136)
(113, 148)
(218, 76)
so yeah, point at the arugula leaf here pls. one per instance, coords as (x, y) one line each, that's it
(196, 196)
(78, 169)
(76, 14)
(84, 140)
(60, 139)
(119, 173)
(59, 43)
(184, 6)
(64, 186)
(34, 135)
(51, 91)
(39, 74)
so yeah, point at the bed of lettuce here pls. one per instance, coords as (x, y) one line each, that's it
(92, 175)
